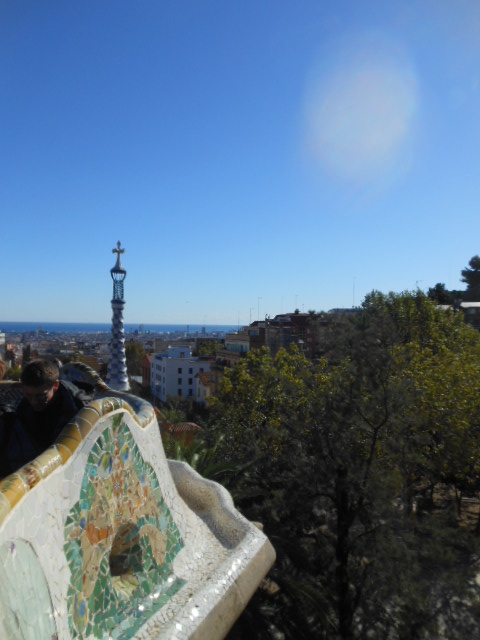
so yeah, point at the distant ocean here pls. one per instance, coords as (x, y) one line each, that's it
(102, 327)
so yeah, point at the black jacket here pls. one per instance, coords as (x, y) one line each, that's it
(26, 433)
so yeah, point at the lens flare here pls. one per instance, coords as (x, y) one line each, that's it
(360, 110)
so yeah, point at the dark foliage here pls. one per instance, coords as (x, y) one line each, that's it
(471, 276)
(332, 457)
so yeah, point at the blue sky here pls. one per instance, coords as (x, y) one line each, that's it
(252, 157)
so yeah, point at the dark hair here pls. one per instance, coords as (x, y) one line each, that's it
(39, 372)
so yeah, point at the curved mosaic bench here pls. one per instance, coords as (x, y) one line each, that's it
(102, 537)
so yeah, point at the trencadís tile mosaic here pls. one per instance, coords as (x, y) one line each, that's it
(102, 537)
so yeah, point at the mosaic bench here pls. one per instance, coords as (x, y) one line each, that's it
(102, 537)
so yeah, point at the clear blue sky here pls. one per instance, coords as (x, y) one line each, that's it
(251, 156)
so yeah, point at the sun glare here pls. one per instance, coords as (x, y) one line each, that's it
(360, 109)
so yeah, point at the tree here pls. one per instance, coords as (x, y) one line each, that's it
(26, 354)
(254, 397)
(13, 373)
(471, 276)
(440, 294)
(337, 451)
(134, 352)
(207, 348)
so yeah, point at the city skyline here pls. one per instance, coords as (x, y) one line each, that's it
(252, 158)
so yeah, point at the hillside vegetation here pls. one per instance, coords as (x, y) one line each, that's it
(359, 466)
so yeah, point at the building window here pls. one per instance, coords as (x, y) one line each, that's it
(180, 393)
(190, 392)
(180, 381)
(190, 371)
(190, 381)
(179, 369)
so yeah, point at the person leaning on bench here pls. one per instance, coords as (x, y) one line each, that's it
(47, 405)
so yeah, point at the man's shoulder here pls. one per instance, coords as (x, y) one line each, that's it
(80, 396)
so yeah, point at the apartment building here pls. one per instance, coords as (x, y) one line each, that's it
(237, 345)
(207, 384)
(172, 374)
(286, 329)
(471, 312)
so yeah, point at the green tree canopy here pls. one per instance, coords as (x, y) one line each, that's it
(440, 294)
(471, 276)
(339, 452)
(134, 352)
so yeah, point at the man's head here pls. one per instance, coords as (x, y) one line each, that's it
(40, 383)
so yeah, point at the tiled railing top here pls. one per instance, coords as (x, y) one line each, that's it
(151, 549)
(16, 485)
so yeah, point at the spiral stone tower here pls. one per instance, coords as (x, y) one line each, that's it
(117, 377)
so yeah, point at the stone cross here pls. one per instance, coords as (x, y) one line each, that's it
(118, 251)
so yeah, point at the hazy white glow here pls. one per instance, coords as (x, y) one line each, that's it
(360, 112)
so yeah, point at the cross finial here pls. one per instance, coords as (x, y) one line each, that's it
(118, 251)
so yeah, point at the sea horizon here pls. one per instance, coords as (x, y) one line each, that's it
(105, 327)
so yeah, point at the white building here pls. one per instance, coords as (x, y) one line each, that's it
(173, 374)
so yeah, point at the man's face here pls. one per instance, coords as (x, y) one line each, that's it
(40, 397)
